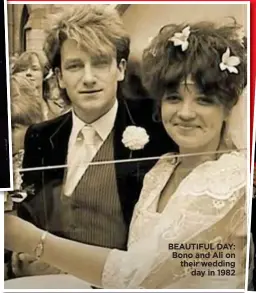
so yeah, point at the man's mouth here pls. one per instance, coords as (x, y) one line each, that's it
(89, 92)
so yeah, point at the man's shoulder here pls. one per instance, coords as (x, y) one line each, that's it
(50, 126)
(141, 110)
(146, 104)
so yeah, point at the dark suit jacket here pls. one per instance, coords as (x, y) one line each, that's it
(46, 144)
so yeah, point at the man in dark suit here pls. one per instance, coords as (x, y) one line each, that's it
(91, 203)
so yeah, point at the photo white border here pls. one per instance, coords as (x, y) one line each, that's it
(248, 141)
(249, 163)
(8, 99)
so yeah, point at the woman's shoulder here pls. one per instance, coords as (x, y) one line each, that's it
(160, 171)
(230, 163)
(227, 163)
(164, 164)
(165, 161)
(219, 179)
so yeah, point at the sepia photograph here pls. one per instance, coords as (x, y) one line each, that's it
(129, 142)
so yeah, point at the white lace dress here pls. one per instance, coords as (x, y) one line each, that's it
(208, 207)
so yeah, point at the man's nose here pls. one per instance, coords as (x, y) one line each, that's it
(89, 76)
(186, 111)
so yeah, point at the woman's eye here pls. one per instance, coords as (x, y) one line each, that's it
(172, 98)
(35, 68)
(205, 101)
(22, 69)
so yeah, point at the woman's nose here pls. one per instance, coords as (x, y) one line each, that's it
(28, 72)
(186, 111)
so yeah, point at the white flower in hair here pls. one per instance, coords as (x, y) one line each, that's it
(135, 138)
(181, 39)
(229, 62)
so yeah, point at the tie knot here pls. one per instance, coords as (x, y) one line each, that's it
(87, 134)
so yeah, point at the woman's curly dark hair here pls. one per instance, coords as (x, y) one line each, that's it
(165, 65)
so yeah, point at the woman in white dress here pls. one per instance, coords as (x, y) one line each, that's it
(190, 202)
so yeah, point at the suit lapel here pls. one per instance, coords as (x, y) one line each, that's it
(121, 122)
(125, 172)
(59, 140)
(57, 149)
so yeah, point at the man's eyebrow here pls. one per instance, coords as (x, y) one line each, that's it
(69, 60)
(101, 58)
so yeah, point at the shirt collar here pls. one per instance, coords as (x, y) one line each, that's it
(102, 126)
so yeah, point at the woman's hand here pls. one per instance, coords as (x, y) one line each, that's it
(24, 264)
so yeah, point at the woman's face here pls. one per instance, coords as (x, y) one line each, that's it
(33, 72)
(18, 136)
(191, 119)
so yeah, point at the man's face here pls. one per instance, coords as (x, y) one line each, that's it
(90, 82)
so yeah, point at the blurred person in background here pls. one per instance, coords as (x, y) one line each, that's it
(34, 66)
(25, 111)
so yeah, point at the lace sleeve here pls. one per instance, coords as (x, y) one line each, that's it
(190, 219)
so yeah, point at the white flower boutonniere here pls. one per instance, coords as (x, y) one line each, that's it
(135, 138)
(229, 62)
(181, 39)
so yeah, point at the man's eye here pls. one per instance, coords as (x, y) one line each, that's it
(74, 66)
(101, 63)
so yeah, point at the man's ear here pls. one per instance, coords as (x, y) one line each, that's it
(121, 69)
(59, 78)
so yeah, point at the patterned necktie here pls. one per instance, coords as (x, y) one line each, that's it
(81, 155)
